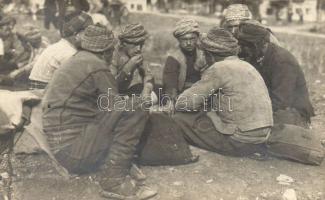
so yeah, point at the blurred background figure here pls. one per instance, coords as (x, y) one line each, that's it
(15, 52)
(71, 7)
(50, 13)
(67, 7)
(116, 12)
(20, 51)
(96, 6)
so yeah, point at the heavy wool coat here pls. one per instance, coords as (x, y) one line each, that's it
(285, 81)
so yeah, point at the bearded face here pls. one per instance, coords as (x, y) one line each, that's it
(250, 52)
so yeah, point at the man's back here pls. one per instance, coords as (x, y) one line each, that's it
(242, 102)
(51, 59)
(285, 81)
(71, 97)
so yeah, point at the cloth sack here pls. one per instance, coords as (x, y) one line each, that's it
(163, 143)
(295, 143)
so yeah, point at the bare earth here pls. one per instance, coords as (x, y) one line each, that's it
(214, 177)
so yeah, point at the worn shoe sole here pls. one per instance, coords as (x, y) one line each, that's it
(140, 196)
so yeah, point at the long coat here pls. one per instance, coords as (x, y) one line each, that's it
(285, 81)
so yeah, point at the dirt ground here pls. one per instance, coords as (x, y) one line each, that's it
(213, 177)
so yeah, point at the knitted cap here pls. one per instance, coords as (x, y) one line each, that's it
(97, 38)
(76, 24)
(252, 31)
(237, 12)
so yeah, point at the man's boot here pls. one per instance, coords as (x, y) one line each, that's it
(117, 184)
(138, 175)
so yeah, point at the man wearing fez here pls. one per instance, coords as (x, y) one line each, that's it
(81, 132)
(183, 65)
(281, 72)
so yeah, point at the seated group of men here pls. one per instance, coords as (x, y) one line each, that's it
(224, 89)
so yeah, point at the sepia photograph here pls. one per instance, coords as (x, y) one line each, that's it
(162, 99)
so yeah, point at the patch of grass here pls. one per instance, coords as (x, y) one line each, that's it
(309, 51)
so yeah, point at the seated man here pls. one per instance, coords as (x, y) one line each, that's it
(240, 117)
(282, 74)
(237, 13)
(82, 130)
(32, 39)
(183, 65)
(33, 43)
(16, 54)
(128, 66)
(53, 56)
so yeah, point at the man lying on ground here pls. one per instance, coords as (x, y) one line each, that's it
(281, 72)
(81, 133)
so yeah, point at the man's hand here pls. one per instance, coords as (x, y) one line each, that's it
(6, 80)
(147, 89)
(133, 63)
(169, 108)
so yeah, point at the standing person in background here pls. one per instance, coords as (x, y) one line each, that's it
(290, 13)
(68, 7)
(50, 13)
(300, 12)
(116, 12)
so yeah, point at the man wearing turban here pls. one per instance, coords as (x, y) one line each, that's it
(234, 14)
(228, 110)
(183, 65)
(82, 125)
(281, 72)
(128, 65)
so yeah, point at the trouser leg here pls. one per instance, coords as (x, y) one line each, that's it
(115, 132)
(200, 131)
(127, 134)
(290, 116)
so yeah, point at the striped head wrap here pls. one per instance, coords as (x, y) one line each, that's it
(133, 34)
(185, 26)
(219, 41)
